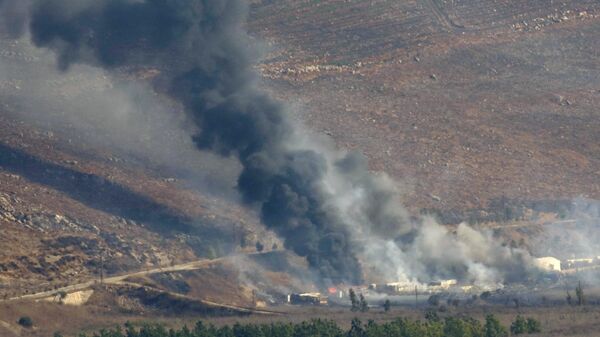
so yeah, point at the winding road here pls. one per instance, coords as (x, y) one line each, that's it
(121, 280)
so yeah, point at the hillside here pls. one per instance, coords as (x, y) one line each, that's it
(463, 102)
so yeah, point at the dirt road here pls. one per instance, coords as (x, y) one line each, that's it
(194, 265)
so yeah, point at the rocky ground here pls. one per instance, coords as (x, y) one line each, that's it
(462, 101)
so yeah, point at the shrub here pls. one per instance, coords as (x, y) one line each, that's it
(533, 325)
(432, 316)
(519, 326)
(493, 328)
(458, 327)
(25, 322)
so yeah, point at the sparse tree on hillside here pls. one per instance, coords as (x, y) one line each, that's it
(387, 305)
(353, 300)
(25, 322)
(364, 306)
(259, 246)
(569, 298)
(579, 294)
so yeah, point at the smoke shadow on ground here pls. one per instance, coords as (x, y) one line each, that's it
(100, 193)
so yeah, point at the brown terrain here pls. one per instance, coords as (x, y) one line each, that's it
(462, 101)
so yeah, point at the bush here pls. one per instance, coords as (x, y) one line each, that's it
(519, 326)
(25, 322)
(459, 327)
(432, 316)
(533, 325)
(493, 328)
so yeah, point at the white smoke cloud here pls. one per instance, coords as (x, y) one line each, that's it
(398, 248)
(123, 115)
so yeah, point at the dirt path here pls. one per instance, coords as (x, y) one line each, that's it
(194, 265)
(120, 279)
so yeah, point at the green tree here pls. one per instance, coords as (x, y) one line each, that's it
(364, 306)
(259, 246)
(400, 327)
(519, 326)
(354, 300)
(457, 327)
(25, 322)
(356, 329)
(493, 328)
(431, 316)
(387, 305)
(533, 325)
(569, 298)
(579, 294)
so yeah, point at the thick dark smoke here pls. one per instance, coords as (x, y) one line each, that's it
(326, 205)
(202, 51)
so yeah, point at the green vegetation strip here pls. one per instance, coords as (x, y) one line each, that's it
(433, 326)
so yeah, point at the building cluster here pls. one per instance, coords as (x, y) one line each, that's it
(399, 288)
(307, 299)
(337, 295)
(552, 264)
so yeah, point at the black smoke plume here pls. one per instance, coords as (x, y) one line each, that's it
(205, 60)
(327, 205)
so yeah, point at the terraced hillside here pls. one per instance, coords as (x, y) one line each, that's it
(463, 101)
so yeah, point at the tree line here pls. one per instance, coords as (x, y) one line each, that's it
(432, 326)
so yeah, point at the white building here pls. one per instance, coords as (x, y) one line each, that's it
(548, 263)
